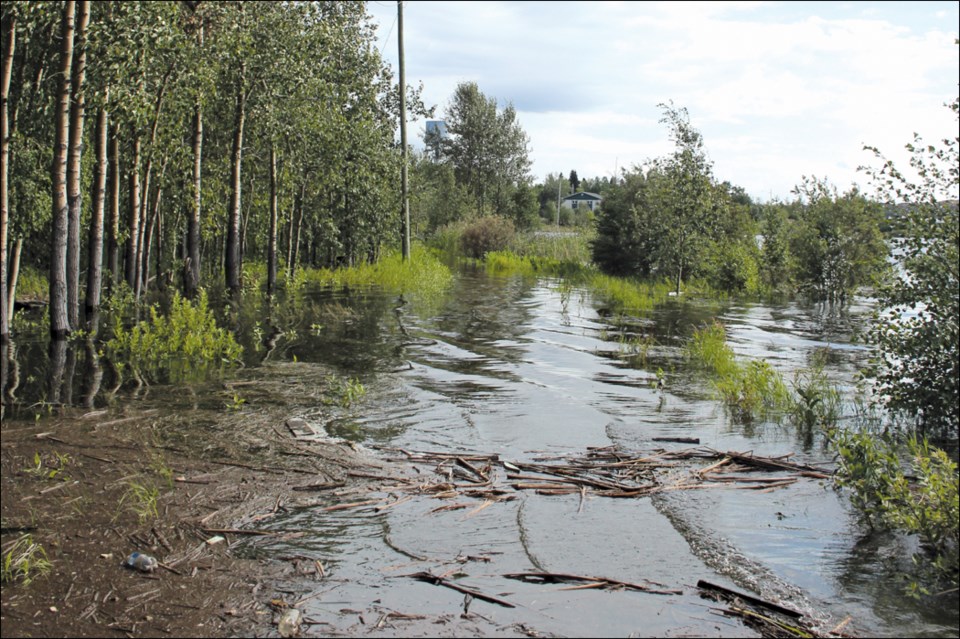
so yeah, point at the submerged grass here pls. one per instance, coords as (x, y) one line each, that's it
(753, 389)
(184, 345)
(423, 275)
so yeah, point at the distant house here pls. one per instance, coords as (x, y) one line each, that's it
(586, 200)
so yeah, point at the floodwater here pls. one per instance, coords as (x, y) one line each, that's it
(527, 369)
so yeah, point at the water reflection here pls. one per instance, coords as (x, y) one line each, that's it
(518, 366)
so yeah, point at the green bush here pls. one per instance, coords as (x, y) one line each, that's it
(186, 345)
(916, 496)
(487, 234)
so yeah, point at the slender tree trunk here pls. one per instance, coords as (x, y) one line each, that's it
(11, 291)
(133, 248)
(192, 271)
(9, 42)
(150, 233)
(296, 242)
(59, 322)
(113, 225)
(95, 243)
(74, 196)
(272, 248)
(232, 257)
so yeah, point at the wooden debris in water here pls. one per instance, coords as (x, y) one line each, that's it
(766, 617)
(439, 580)
(601, 471)
(591, 582)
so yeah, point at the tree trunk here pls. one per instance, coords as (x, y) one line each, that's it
(74, 196)
(113, 225)
(232, 257)
(9, 42)
(272, 248)
(133, 247)
(297, 240)
(144, 240)
(95, 243)
(11, 290)
(59, 323)
(192, 267)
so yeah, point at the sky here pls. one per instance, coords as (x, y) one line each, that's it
(778, 90)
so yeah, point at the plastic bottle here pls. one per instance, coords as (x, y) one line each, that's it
(289, 624)
(141, 562)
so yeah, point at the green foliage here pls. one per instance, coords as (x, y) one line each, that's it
(185, 345)
(488, 150)
(916, 331)
(816, 401)
(754, 389)
(142, 499)
(492, 233)
(24, 560)
(49, 467)
(732, 267)
(916, 496)
(836, 243)
(775, 261)
(628, 237)
(423, 274)
(342, 392)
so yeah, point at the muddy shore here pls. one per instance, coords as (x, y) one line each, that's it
(182, 475)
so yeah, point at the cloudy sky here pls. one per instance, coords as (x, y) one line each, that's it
(779, 90)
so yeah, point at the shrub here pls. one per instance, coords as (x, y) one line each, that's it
(487, 234)
(186, 345)
(917, 497)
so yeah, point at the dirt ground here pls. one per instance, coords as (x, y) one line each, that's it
(174, 474)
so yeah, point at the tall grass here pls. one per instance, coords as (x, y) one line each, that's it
(753, 389)
(424, 274)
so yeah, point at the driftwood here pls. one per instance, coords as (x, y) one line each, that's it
(441, 581)
(601, 471)
(677, 440)
(768, 618)
(590, 582)
(732, 595)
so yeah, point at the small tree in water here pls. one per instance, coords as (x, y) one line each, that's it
(916, 331)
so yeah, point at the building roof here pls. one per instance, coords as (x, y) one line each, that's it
(584, 196)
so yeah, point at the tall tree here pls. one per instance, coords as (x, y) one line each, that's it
(74, 196)
(685, 203)
(59, 321)
(95, 241)
(488, 149)
(9, 43)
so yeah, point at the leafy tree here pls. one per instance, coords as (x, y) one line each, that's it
(916, 331)
(685, 199)
(488, 148)
(836, 241)
(775, 262)
(627, 241)
(574, 181)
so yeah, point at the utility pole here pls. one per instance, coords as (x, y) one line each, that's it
(404, 202)
(559, 183)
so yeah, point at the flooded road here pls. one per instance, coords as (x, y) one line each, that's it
(527, 369)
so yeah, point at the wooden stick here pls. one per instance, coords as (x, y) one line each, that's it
(728, 593)
(476, 594)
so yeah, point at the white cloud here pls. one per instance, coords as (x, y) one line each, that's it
(778, 90)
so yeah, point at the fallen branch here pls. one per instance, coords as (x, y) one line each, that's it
(591, 582)
(476, 594)
(728, 594)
